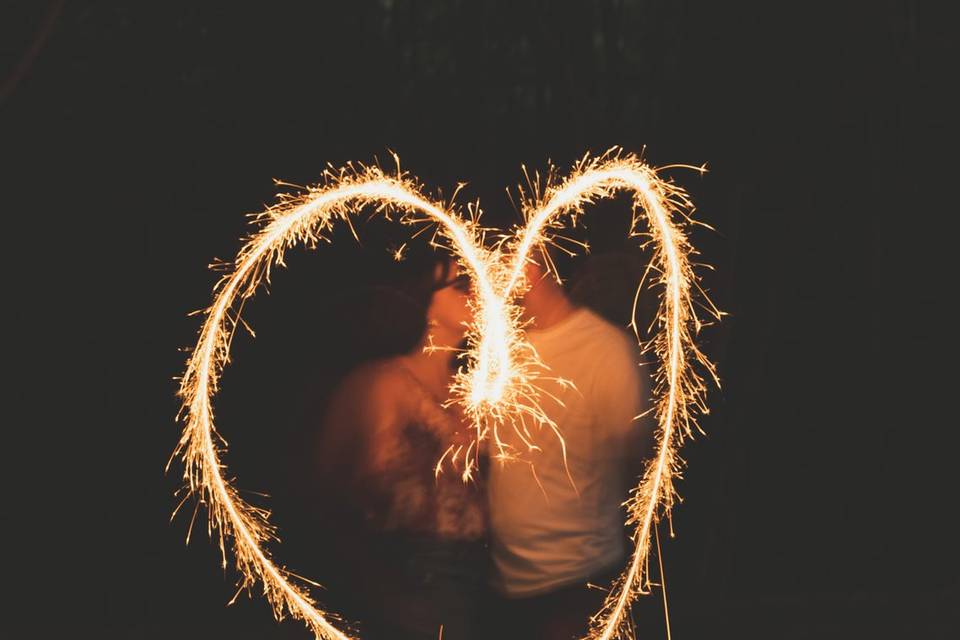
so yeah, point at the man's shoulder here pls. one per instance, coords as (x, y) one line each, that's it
(603, 332)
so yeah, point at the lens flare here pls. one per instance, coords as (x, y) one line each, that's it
(497, 384)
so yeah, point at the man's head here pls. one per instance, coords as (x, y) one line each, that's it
(545, 300)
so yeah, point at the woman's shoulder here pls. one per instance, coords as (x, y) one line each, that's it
(379, 384)
(376, 375)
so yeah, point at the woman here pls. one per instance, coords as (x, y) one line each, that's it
(412, 555)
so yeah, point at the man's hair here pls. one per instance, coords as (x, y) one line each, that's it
(607, 284)
(551, 257)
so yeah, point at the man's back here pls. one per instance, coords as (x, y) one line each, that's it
(547, 531)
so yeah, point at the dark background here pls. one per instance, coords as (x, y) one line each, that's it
(135, 136)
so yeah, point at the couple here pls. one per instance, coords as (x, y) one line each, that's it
(510, 553)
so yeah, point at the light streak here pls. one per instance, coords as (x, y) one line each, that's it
(679, 393)
(498, 385)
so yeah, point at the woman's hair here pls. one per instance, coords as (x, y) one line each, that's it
(390, 315)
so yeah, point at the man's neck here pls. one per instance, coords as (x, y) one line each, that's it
(547, 305)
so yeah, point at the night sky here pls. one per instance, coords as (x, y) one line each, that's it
(136, 136)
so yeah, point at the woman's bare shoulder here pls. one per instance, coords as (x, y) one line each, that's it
(374, 388)
(377, 377)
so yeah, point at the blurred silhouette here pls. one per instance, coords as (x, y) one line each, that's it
(406, 552)
(555, 514)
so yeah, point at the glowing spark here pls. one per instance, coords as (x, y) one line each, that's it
(498, 385)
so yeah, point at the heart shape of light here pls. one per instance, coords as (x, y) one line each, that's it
(498, 385)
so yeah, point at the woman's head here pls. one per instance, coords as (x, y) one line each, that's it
(424, 291)
(448, 310)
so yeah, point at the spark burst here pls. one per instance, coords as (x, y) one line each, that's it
(497, 386)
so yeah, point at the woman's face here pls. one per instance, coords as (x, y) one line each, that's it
(449, 308)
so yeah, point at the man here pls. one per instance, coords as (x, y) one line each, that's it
(557, 521)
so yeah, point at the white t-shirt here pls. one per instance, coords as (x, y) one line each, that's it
(546, 536)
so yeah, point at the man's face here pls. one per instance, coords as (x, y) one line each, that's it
(533, 273)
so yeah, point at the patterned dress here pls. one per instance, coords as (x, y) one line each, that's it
(415, 540)
(406, 495)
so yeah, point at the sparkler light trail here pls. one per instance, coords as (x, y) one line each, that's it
(679, 392)
(498, 385)
(294, 219)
